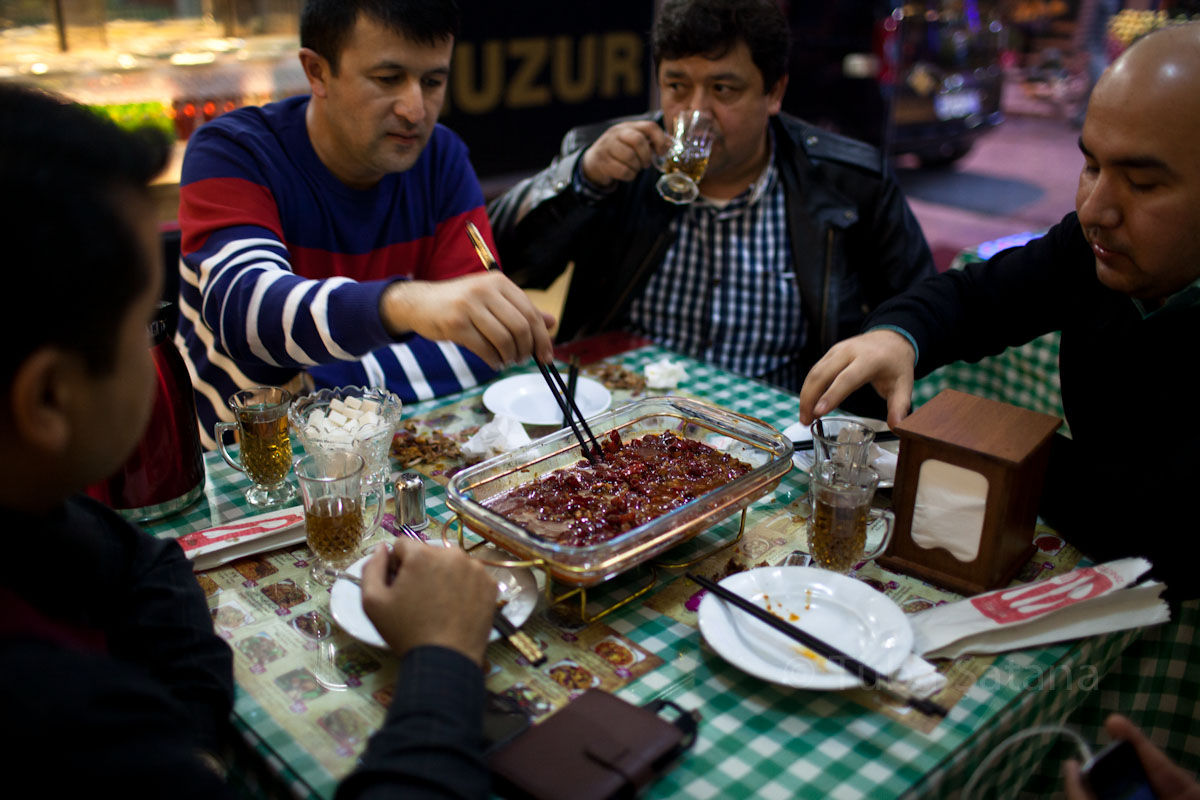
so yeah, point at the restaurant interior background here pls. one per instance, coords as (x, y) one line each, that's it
(926, 79)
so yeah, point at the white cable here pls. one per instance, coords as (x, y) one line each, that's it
(1037, 730)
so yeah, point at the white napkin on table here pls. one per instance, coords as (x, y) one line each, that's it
(919, 676)
(883, 462)
(665, 374)
(502, 435)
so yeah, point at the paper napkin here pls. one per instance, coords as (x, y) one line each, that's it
(502, 435)
(665, 374)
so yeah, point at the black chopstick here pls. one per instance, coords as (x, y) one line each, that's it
(852, 665)
(559, 397)
(570, 396)
(489, 262)
(880, 436)
(572, 381)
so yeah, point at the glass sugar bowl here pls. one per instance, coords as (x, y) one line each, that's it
(355, 418)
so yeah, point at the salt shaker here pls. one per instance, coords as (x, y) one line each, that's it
(410, 501)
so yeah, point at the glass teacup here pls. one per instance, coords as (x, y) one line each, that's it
(686, 159)
(846, 443)
(841, 512)
(265, 456)
(335, 497)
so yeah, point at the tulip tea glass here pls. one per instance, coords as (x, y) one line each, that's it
(261, 415)
(841, 511)
(688, 151)
(335, 500)
(844, 442)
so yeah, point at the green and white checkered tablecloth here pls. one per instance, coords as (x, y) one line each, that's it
(755, 739)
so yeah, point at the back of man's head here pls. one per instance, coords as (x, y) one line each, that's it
(712, 28)
(73, 262)
(325, 25)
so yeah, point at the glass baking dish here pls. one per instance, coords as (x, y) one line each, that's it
(767, 451)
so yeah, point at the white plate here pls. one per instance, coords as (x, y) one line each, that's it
(841, 611)
(527, 398)
(803, 459)
(345, 602)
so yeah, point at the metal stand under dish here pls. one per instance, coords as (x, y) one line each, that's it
(582, 591)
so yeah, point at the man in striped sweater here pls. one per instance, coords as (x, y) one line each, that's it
(323, 237)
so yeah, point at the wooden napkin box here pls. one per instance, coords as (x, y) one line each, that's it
(997, 453)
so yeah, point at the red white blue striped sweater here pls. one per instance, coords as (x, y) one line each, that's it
(283, 266)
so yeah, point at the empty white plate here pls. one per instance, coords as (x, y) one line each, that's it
(528, 399)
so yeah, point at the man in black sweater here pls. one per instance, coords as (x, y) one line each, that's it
(1121, 279)
(111, 677)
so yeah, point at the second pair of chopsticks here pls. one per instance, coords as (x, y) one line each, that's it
(847, 662)
(564, 397)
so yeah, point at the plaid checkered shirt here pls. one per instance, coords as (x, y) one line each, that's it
(725, 292)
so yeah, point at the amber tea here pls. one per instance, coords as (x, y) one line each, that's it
(690, 163)
(335, 529)
(266, 450)
(841, 512)
(331, 483)
(837, 534)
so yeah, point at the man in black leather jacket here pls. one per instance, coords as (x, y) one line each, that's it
(846, 239)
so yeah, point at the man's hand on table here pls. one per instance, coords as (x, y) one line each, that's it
(1168, 781)
(622, 152)
(438, 596)
(484, 312)
(882, 358)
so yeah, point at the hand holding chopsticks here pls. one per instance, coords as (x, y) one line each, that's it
(554, 381)
(852, 665)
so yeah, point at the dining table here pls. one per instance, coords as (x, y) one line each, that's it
(309, 694)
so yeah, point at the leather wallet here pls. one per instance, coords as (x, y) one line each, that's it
(597, 746)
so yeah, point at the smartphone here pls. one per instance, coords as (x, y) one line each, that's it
(1116, 773)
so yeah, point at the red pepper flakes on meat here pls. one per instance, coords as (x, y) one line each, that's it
(635, 482)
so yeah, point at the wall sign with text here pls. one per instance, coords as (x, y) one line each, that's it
(520, 81)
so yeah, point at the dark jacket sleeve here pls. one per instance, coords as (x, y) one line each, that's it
(431, 743)
(79, 724)
(161, 625)
(538, 223)
(899, 256)
(1008, 300)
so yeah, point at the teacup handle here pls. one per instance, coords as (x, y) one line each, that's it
(219, 431)
(889, 519)
(379, 491)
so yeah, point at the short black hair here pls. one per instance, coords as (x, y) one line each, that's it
(712, 28)
(326, 24)
(72, 259)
